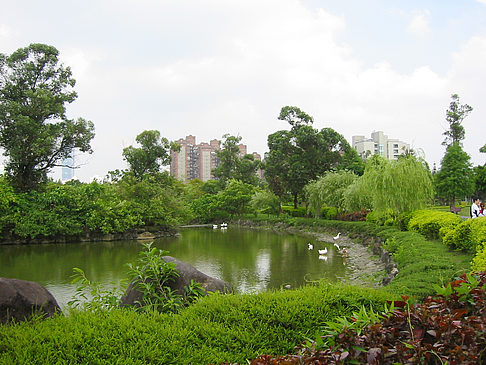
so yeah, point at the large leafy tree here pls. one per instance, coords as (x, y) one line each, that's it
(303, 153)
(455, 178)
(232, 165)
(35, 133)
(397, 185)
(153, 153)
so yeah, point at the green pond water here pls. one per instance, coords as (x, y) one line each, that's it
(250, 260)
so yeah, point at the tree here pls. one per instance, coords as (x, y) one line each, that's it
(234, 166)
(302, 154)
(454, 116)
(398, 185)
(329, 189)
(35, 133)
(153, 153)
(454, 179)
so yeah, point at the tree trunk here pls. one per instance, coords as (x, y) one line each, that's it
(295, 200)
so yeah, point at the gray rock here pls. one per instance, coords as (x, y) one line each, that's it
(20, 300)
(187, 273)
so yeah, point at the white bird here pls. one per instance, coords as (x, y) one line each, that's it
(215, 226)
(224, 225)
(323, 252)
(337, 246)
(336, 237)
(310, 246)
(323, 257)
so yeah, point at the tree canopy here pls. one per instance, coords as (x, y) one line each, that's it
(303, 153)
(153, 153)
(35, 132)
(233, 165)
(455, 178)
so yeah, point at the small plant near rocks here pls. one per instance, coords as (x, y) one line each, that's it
(449, 328)
(152, 276)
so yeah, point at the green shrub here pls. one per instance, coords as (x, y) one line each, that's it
(216, 329)
(294, 212)
(429, 222)
(329, 212)
(470, 235)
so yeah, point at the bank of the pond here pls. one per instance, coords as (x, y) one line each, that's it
(140, 233)
(421, 264)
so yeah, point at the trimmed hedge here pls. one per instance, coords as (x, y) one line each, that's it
(216, 329)
(430, 222)
(469, 235)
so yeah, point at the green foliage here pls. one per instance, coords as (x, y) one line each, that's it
(329, 212)
(93, 296)
(154, 152)
(74, 209)
(469, 235)
(294, 212)
(234, 166)
(398, 185)
(479, 261)
(479, 173)
(265, 202)
(454, 179)
(35, 133)
(153, 276)
(454, 116)
(329, 189)
(302, 154)
(233, 200)
(358, 197)
(216, 329)
(432, 224)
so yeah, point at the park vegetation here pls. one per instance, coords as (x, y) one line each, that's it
(313, 180)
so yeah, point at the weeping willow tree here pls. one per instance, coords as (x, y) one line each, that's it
(330, 189)
(399, 185)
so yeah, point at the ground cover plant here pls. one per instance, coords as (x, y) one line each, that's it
(448, 328)
(215, 329)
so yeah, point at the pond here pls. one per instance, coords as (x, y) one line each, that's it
(250, 260)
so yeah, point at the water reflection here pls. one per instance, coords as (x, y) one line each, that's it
(251, 260)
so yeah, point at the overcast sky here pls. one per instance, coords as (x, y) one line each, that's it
(210, 67)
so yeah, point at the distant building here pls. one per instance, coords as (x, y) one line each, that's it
(196, 161)
(379, 144)
(68, 168)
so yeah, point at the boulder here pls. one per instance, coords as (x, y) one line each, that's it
(20, 300)
(187, 273)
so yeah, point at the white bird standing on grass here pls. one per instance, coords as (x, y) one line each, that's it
(310, 246)
(336, 237)
(337, 246)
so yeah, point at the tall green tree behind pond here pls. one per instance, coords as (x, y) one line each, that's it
(153, 153)
(455, 178)
(233, 165)
(35, 132)
(303, 153)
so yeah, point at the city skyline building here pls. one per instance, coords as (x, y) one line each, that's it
(197, 161)
(379, 144)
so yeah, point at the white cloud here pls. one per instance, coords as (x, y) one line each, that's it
(419, 25)
(481, 1)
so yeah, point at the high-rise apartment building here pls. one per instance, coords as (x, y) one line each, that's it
(196, 161)
(379, 144)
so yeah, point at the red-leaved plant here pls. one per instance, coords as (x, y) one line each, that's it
(449, 328)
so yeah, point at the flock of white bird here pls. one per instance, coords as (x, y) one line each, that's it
(223, 226)
(323, 253)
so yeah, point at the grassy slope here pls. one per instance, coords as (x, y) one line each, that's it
(217, 329)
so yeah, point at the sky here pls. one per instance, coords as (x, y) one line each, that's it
(211, 67)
